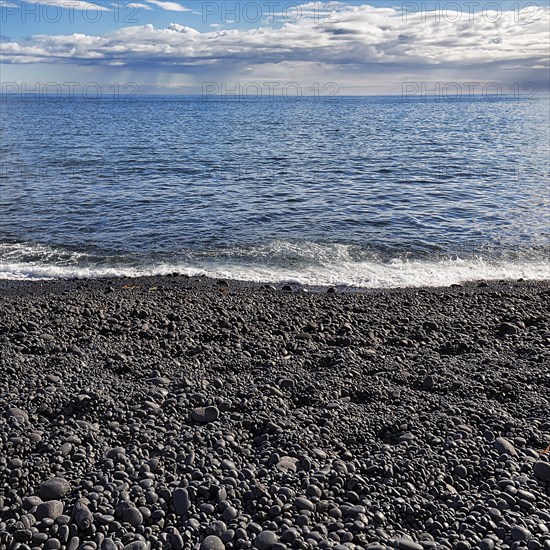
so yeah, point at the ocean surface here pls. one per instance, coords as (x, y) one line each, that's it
(376, 192)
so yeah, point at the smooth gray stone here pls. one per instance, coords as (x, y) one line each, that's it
(265, 540)
(49, 509)
(54, 489)
(212, 542)
(541, 470)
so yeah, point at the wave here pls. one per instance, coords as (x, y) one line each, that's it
(302, 263)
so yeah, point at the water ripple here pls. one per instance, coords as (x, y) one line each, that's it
(153, 180)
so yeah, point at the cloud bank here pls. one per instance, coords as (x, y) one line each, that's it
(363, 39)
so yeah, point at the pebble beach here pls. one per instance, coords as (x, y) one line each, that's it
(189, 413)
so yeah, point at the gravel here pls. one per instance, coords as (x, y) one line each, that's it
(178, 413)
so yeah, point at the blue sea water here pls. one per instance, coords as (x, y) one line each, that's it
(376, 191)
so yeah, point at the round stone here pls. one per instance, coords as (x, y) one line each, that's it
(406, 544)
(133, 516)
(205, 414)
(52, 544)
(504, 446)
(217, 528)
(519, 533)
(50, 509)
(487, 544)
(212, 542)
(137, 545)
(287, 464)
(181, 501)
(265, 540)
(18, 414)
(313, 491)
(230, 513)
(303, 503)
(541, 470)
(54, 489)
(15, 463)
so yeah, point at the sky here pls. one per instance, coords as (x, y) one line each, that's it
(264, 47)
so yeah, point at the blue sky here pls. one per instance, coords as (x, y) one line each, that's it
(360, 47)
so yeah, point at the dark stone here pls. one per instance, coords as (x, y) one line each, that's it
(181, 501)
(541, 470)
(212, 542)
(265, 540)
(54, 489)
(50, 509)
(205, 414)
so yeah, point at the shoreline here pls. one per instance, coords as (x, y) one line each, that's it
(204, 282)
(191, 413)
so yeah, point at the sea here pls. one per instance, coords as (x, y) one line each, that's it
(348, 191)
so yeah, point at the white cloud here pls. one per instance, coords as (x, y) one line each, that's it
(168, 6)
(8, 5)
(365, 40)
(137, 6)
(71, 4)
